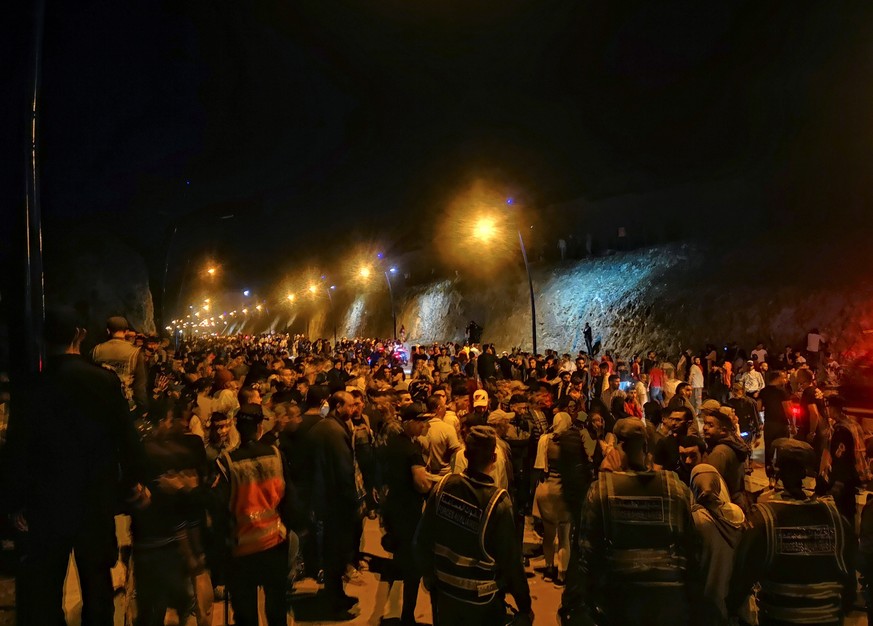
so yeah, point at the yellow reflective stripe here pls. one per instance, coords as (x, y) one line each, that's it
(815, 591)
(462, 561)
(481, 587)
(801, 615)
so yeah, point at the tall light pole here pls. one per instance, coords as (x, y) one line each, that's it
(533, 302)
(365, 272)
(485, 229)
(313, 289)
(388, 272)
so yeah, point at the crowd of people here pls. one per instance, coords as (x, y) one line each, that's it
(249, 462)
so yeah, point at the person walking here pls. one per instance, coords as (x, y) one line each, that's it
(337, 495)
(408, 483)
(549, 503)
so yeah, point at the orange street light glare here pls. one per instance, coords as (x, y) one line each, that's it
(312, 289)
(365, 272)
(211, 271)
(290, 297)
(484, 229)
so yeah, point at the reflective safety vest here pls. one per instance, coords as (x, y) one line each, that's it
(644, 519)
(464, 569)
(257, 487)
(804, 564)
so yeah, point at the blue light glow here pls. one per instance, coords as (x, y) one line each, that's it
(380, 255)
(393, 270)
(247, 293)
(509, 201)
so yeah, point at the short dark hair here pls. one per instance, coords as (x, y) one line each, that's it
(60, 326)
(337, 400)
(317, 394)
(433, 402)
(773, 375)
(689, 441)
(686, 412)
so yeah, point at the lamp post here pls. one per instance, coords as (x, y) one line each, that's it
(365, 273)
(533, 303)
(313, 289)
(485, 229)
(388, 272)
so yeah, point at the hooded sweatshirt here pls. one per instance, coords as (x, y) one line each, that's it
(728, 457)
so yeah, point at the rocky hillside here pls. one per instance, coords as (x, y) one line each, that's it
(665, 297)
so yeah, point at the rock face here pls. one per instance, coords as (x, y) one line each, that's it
(100, 276)
(665, 298)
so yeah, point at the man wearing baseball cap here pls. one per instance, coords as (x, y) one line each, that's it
(127, 361)
(479, 416)
(408, 483)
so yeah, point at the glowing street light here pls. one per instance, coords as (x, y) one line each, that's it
(211, 271)
(245, 311)
(313, 289)
(260, 307)
(365, 272)
(290, 297)
(485, 229)
(247, 293)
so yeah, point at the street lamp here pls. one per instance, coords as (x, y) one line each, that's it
(211, 271)
(485, 229)
(392, 270)
(313, 289)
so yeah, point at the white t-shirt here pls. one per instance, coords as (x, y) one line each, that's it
(695, 377)
(813, 342)
(761, 354)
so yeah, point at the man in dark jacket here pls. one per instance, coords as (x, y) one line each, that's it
(73, 449)
(487, 364)
(727, 453)
(338, 493)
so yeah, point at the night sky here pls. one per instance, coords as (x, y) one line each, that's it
(373, 114)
